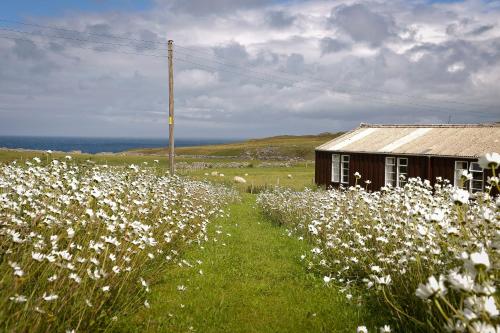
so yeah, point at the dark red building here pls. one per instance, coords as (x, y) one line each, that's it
(384, 153)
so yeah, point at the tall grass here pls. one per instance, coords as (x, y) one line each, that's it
(80, 244)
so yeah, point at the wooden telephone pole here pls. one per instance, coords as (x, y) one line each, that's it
(171, 107)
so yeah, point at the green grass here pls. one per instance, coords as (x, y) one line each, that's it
(7, 156)
(302, 173)
(287, 146)
(302, 176)
(253, 281)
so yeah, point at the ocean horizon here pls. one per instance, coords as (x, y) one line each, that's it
(94, 145)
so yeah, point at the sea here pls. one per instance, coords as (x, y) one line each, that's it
(98, 145)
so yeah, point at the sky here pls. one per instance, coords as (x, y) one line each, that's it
(245, 68)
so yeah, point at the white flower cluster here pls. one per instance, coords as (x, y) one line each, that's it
(383, 244)
(80, 244)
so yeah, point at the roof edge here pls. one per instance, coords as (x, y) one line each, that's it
(338, 137)
(365, 125)
(347, 152)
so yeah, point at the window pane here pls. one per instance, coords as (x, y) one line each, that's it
(345, 169)
(403, 161)
(476, 185)
(459, 167)
(335, 168)
(475, 167)
(390, 171)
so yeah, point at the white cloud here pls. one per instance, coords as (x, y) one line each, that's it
(369, 56)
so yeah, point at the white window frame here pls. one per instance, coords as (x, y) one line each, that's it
(394, 167)
(400, 182)
(457, 174)
(344, 171)
(476, 172)
(335, 168)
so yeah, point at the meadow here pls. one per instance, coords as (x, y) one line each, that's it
(114, 243)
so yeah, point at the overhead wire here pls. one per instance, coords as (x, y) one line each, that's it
(329, 82)
(314, 78)
(65, 37)
(196, 64)
(219, 56)
(377, 99)
(81, 32)
(90, 48)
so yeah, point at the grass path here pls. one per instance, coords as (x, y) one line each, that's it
(252, 281)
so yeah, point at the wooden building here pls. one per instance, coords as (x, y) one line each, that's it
(384, 153)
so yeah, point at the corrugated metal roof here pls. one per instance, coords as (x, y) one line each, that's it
(440, 140)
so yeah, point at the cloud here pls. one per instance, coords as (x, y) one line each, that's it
(482, 29)
(26, 49)
(362, 24)
(331, 45)
(254, 68)
(203, 7)
(233, 50)
(279, 19)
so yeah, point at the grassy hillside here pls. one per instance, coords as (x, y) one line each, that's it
(273, 148)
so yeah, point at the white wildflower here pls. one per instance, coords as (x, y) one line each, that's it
(433, 287)
(361, 329)
(480, 259)
(460, 196)
(49, 298)
(489, 160)
(18, 298)
(37, 256)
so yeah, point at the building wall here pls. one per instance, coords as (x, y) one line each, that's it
(372, 167)
(323, 168)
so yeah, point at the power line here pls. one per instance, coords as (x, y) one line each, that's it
(81, 32)
(64, 37)
(357, 88)
(232, 65)
(447, 109)
(379, 100)
(90, 48)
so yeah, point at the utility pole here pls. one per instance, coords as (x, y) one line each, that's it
(171, 107)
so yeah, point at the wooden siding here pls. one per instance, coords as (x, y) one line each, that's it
(372, 167)
(323, 168)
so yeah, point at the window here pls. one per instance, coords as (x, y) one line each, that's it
(345, 169)
(476, 183)
(402, 171)
(394, 169)
(335, 168)
(390, 171)
(459, 167)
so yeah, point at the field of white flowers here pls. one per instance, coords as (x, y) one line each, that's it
(80, 244)
(429, 257)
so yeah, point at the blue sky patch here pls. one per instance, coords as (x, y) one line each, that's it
(21, 9)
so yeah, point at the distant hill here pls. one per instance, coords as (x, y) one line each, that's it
(280, 147)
